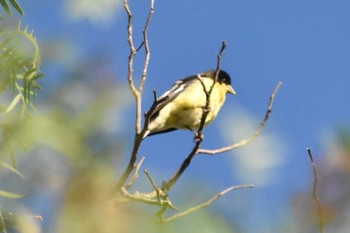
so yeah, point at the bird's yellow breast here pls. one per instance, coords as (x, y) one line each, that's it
(186, 110)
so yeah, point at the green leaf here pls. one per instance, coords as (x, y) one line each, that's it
(30, 72)
(37, 86)
(17, 6)
(37, 76)
(11, 195)
(6, 7)
(25, 89)
(14, 102)
(5, 165)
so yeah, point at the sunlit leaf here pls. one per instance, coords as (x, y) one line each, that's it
(30, 72)
(17, 6)
(25, 88)
(37, 86)
(11, 195)
(6, 7)
(37, 76)
(14, 102)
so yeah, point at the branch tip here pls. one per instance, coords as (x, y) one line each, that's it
(254, 136)
(314, 193)
(205, 204)
(310, 155)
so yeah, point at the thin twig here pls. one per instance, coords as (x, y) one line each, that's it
(140, 46)
(205, 204)
(168, 185)
(140, 197)
(252, 138)
(155, 187)
(199, 136)
(145, 67)
(223, 46)
(147, 49)
(132, 49)
(164, 201)
(137, 92)
(132, 54)
(314, 192)
(150, 179)
(136, 173)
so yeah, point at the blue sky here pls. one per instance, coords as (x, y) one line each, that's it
(304, 44)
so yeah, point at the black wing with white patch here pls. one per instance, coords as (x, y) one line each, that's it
(171, 94)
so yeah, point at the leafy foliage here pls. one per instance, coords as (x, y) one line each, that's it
(19, 65)
(14, 4)
(19, 72)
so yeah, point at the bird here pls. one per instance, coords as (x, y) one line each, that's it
(182, 106)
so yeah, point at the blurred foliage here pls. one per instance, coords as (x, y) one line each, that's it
(88, 207)
(58, 165)
(6, 6)
(75, 144)
(19, 65)
(19, 72)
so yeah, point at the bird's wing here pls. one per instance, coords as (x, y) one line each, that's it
(171, 94)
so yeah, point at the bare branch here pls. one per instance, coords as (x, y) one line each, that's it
(205, 204)
(140, 46)
(223, 46)
(140, 197)
(136, 173)
(148, 198)
(314, 192)
(155, 187)
(145, 68)
(147, 49)
(199, 136)
(168, 185)
(132, 50)
(131, 165)
(136, 92)
(252, 138)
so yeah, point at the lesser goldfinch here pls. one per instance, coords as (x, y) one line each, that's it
(181, 107)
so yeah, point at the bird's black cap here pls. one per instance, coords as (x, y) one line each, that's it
(223, 77)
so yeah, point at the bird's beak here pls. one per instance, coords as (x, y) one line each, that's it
(230, 90)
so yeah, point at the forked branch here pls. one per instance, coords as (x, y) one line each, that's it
(137, 92)
(205, 204)
(253, 137)
(199, 136)
(314, 192)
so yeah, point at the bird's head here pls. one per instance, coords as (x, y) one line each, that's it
(223, 79)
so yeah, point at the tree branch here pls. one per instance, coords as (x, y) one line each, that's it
(132, 50)
(314, 193)
(252, 138)
(136, 173)
(147, 49)
(199, 137)
(205, 204)
(136, 92)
